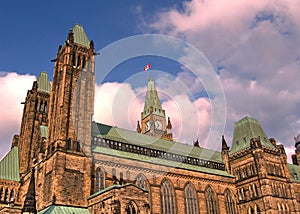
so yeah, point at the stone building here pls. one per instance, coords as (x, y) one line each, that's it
(63, 162)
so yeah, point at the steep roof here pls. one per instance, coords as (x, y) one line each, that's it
(115, 186)
(295, 172)
(158, 161)
(152, 100)
(80, 36)
(43, 82)
(9, 166)
(55, 209)
(244, 130)
(134, 138)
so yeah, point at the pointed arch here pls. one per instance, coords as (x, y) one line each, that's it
(141, 181)
(190, 199)
(167, 197)
(100, 179)
(132, 208)
(230, 202)
(211, 202)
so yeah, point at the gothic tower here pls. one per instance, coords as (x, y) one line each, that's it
(72, 94)
(296, 156)
(68, 164)
(260, 167)
(33, 120)
(153, 117)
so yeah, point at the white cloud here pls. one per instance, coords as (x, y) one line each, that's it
(119, 104)
(13, 89)
(256, 45)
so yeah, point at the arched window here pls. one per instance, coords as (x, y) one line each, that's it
(6, 195)
(100, 179)
(12, 196)
(252, 170)
(167, 197)
(211, 202)
(78, 61)
(142, 182)
(230, 203)
(190, 197)
(131, 208)
(46, 107)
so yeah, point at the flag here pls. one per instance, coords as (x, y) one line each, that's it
(147, 67)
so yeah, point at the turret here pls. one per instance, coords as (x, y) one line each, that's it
(35, 115)
(225, 154)
(296, 156)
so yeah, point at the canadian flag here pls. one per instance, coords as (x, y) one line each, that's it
(147, 67)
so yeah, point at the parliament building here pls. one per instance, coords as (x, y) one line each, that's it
(63, 162)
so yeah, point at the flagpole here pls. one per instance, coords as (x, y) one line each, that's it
(146, 68)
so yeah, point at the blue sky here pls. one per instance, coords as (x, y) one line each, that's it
(253, 46)
(31, 31)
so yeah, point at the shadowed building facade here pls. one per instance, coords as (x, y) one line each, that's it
(63, 162)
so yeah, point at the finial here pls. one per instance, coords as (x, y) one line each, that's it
(92, 44)
(35, 86)
(169, 126)
(196, 143)
(224, 144)
(138, 127)
(71, 35)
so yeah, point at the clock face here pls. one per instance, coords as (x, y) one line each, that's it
(148, 126)
(158, 125)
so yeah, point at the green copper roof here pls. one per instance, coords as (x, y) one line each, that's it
(44, 131)
(80, 36)
(295, 172)
(54, 209)
(43, 82)
(244, 130)
(134, 138)
(152, 100)
(158, 161)
(9, 166)
(114, 186)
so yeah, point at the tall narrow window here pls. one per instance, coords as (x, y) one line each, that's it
(141, 181)
(12, 196)
(167, 196)
(121, 179)
(230, 203)
(250, 210)
(256, 209)
(279, 208)
(1, 193)
(78, 61)
(100, 179)
(211, 202)
(190, 197)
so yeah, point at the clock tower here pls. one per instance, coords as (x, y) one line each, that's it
(153, 117)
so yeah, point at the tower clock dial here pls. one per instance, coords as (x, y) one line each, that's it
(148, 126)
(158, 125)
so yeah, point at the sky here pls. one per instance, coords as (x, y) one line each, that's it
(252, 46)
